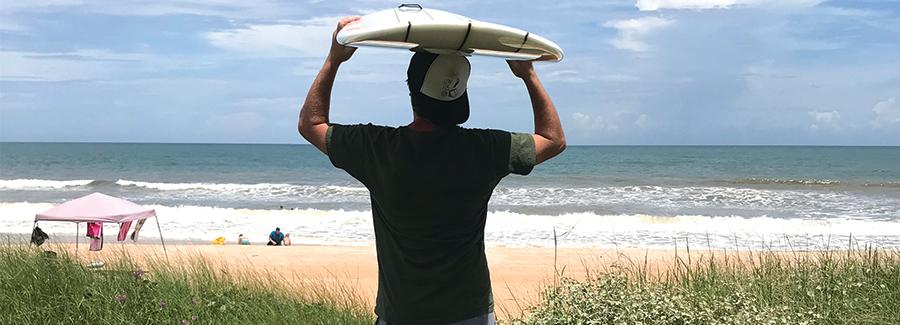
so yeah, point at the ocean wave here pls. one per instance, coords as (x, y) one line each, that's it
(29, 184)
(200, 186)
(693, 196)
(233, 187)
(649, 198)
(883, 184)
(777, 181)
(504, 228)
(256, 190)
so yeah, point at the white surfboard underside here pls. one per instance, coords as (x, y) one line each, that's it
(441, 32)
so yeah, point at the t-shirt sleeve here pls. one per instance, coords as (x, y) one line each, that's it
(522, 154)
(348, 148)
(511, 152)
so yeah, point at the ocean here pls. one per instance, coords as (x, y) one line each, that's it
(719, 197)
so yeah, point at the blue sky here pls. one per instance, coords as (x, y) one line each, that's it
(635, 72)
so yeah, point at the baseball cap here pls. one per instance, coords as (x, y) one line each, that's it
(437, 87)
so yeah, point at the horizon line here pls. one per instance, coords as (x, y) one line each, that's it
(570, 145)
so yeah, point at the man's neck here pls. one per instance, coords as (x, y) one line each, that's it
(423, 125)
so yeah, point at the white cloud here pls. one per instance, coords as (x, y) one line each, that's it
(641, 121)
(887, 113)
(587, 123)
(633, 31)
(36, 5)
(580, 76)
(82, 64)
(218, 8)
(32, 67)
(309, 38)
(653, 5)
(824, 120)
(581, 120)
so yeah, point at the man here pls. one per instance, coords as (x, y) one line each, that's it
(275, 237)
(429, 183)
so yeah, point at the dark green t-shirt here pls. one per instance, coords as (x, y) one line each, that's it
(429, 193)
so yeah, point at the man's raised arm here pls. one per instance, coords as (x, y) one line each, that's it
(549, 139)
(313, 122)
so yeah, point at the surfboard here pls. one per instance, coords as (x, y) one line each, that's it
(412, 27)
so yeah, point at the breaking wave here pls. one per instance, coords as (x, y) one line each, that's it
(36, 184)
(504, 228)
(776, 181)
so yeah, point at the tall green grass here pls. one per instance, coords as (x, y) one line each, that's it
(857, 286)
(37, 288)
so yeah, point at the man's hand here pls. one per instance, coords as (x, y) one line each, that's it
(522, 69)
(340, 53)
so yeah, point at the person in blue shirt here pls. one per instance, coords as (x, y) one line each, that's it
(276, 237)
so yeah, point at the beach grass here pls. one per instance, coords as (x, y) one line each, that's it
(45, 288)
(854, 286)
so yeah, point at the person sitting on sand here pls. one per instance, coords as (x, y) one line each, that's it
(243, 240)
(430, 182)
(287, 240)
(276, 237)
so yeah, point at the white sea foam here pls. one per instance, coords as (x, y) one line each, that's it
(805, 202)
(628, 199)
(227, 187)
(347, 227)
(260, 188)
(29, 184)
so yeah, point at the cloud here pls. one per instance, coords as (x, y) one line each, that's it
(578, 76)
(588, 124)
(633, 31)
(30, 66)
(582, 121)
(887, 113)
(309, 38)
(259, 9)
(824, 120)
(81, 64)
(653, 5)
(641, 121)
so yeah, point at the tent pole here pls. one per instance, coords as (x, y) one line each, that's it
(76, 240)
(161, 238)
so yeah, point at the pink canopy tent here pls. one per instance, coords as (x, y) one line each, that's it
(99, 207)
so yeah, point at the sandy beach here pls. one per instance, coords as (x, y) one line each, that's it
(517, 274)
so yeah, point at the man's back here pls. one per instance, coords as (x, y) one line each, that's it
(430, 183)
(429, 194)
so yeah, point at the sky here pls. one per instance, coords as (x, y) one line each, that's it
(636, 72)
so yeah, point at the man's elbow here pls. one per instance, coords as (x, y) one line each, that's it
(559, 146)
(302, 126)
(306, 131)
(305, 128)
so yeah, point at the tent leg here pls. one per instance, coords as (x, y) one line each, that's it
(76, 240)
(161, 239)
